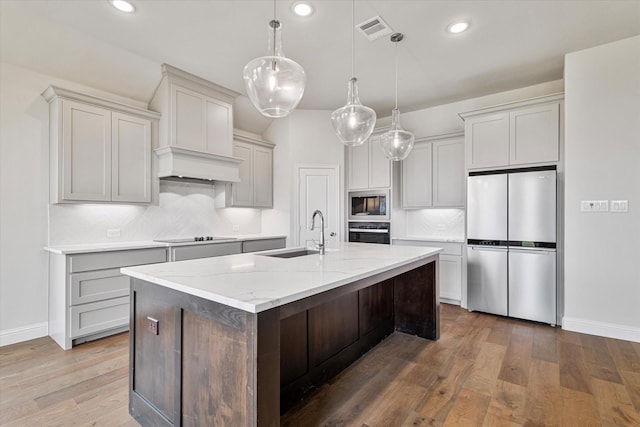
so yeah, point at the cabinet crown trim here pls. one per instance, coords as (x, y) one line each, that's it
(250, 140)
(513, 105)
(54, 92)
(193, 153)
(440, 137)
(178, 74)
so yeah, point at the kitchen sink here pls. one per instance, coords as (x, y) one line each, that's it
(294, 253)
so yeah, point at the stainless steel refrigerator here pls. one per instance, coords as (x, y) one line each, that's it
(511, 246)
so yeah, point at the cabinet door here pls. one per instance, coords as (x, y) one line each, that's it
(448, 172)
(188, 119)
(359, 167)
(86, 152)
(535, 134)
(451, 277)
(218, 126)
(131, 159)
(487, 140)
(379, 165)
(262, 177)
(416, 178)
(242, 192)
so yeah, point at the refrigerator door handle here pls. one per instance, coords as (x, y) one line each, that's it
(489, 248)
(540, 251)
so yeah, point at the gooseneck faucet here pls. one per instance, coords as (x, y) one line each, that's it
(313, 224)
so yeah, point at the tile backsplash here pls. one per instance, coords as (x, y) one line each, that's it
(184, 210)
(442, 223)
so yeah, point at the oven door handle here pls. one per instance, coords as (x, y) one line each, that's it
(373, 230)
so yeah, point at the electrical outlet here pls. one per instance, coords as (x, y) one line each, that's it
(113, 233)
(235, 228)
(152, 325)
(594, 206)
(619, 206)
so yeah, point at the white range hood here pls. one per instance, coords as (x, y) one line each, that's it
(176, 162)
(196, 128)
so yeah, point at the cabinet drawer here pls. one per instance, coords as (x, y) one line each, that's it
(104, 260)
(448, 248)
(182, 253)
(98, 285)
(99, 316)
(262, 245)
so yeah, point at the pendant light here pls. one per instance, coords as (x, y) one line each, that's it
(396, 143)
(274, 83)
(353, 123)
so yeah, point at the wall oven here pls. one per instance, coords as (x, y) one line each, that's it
(369, 205)
(370, 232)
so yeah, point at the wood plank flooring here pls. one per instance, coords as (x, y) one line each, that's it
(484, 371)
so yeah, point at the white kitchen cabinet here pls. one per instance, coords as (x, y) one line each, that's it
(255, 189)
(368, 166)
(519, 133)
(452, 271)
(433, 173)
(88, 296)
(100, 151)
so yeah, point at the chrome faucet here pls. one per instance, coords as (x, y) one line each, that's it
(313, 224)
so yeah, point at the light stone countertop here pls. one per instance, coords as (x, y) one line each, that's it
(146, 244)
(254, 282)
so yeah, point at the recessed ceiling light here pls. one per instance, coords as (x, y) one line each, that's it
(123, 6)
(458, 27)
(302, 8)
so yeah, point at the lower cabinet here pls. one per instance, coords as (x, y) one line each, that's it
(88, 297)
(263, 244)
(182, 253)
(452, 271)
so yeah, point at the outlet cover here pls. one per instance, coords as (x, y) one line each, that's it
(113, 233)
(619, 206)
(152, 325)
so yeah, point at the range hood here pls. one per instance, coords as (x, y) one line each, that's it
(196, 128)
(177, 163)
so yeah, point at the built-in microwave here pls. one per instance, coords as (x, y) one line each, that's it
(369, 205)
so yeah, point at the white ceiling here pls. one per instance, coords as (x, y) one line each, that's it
(511, 44)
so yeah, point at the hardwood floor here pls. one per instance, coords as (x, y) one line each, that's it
(484, 370)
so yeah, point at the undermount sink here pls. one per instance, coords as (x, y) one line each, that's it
(292, 253)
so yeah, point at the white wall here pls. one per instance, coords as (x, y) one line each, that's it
(602, 147)
(303, 138)
(28, 223)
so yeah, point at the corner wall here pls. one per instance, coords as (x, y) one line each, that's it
(602, 147)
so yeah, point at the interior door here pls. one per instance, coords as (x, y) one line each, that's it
(318, 189)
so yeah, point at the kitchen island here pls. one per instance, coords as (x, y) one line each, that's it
(234, 340)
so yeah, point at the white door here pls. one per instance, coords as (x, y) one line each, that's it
(318, 188)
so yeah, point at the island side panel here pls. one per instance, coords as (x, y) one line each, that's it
(214, 377)
(268, 368)
(417, 303)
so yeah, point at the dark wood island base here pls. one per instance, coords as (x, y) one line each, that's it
(199, 362)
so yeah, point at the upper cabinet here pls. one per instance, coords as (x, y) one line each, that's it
(255, 189)
(433, 173)
(368, 167)
(196, 128)
(100, 150)
(519, 133)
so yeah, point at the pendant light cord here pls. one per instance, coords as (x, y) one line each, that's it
(275, 27)
(353, 42)
(396, 75)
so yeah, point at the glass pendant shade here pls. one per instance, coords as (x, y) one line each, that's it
(353, 123)
(396, 143)
(275, 84)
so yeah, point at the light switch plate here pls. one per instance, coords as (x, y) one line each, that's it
(113, 233)
(594, 206)
(619, 206)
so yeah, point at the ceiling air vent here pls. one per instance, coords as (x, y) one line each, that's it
(374, 28)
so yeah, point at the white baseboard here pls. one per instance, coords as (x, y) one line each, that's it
(610, 330)
(24, 333)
